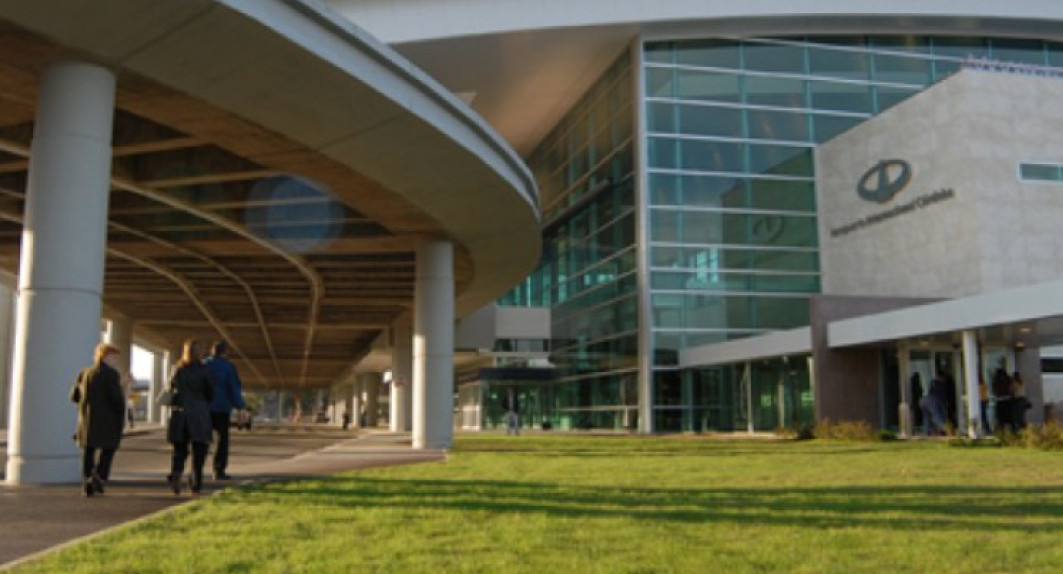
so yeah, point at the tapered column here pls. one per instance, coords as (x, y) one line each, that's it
(433, 346)
(7, 306)
(371, 386)
(402, 378)
(357, 404)
(158, 381)
(970, 375)
(120, 334)
(61, 267)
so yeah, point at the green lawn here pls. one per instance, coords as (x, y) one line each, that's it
(573, 505)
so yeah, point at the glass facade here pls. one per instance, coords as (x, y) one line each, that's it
(732, 240)
(585, 171)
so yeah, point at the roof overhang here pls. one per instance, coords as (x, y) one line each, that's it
(777, 344)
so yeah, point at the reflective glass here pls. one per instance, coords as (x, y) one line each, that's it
(661, 117)
(772, 58)
(825, 127)
(699, 155)
(709, 53)
(782, 195)
(911, 44)
(778, 92)
(902, 69)
(840, 96)
(710, 121)
(775, 125)
(961, 48)
(887, 97)
(699, 85)
(780, 160)
(845, 64)
(1018, 51)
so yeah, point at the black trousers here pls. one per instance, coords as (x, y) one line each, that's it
(180, 454)
(101, 468)
(220, 421)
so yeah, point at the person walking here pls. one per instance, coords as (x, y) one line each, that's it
(192, 391)
(512, 406)
(101, 413)
(228, 395)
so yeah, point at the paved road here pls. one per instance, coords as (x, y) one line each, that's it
(37, 518)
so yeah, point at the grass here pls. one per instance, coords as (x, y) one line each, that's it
(623, 505)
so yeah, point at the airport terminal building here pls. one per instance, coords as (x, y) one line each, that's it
(757, 219)
(676, 216)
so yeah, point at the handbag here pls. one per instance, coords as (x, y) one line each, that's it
(166, 397)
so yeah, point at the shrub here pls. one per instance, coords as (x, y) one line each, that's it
(1048, 436)
(802, 432)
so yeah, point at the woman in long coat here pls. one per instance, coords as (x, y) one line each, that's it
(101, 414)
(190, 422)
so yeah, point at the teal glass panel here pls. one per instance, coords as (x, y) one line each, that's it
(1055, 54)
(772, 58)
(960, 47)
(697, 280)
(737, 259)
(663, 152)
(840, 96)
(1040, 172)
(910, 44)
(902, 69)
(844, 64)
(710, 121)
(660, 82)
(710, 191)
(887, 97)
(1018, 51)
(825, 127)
(778, 92)
(737, 312)
(664, 226)
(664, 189)
(769, 230)
(700, 85)
(709, 54)
(660, 52)
(698, 155)
(661, 117)
(781, 160)
(782, 195)
(776, 125)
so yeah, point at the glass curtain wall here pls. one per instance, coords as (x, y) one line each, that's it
(733, 243)
(584, 168)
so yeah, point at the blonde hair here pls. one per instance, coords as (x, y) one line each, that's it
(189, 353)
(102, 350)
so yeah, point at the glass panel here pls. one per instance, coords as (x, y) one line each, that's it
(841, 97)
(1055, 54)
(710, 121)
(697, 85)
(710, 156)
(664, 189)
(1040, 172)
(737, 259)
(769, 230)
(772, 125)
(826, 127)
(780, 92)
(962, 48)
(770, 58)
(711, 191)
(783, 195)
(1020, 51)
(661, 117)
(709, 53)
(887, 97)
(902, 70)
(913, 44)
(780, 160)
(660, 82)
(663, 152)
(660, 52)
(844, 64)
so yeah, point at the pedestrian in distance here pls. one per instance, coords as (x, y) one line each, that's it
(228, 395)
(192, 390)
(101, 414)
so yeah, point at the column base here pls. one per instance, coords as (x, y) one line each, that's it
(43, 470)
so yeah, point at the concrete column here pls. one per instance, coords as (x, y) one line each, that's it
(7, 308)
(402, 378)
(970, 376)
(158, 381)
(61, 267)
(433, 346)
(120, 334)
(356, 403)
(904, 410)
(370, 383)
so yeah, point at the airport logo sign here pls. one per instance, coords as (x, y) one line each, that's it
(884, 180)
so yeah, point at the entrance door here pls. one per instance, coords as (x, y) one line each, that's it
(924, 365)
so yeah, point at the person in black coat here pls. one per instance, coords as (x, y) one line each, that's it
(190, 423)
(101, 414)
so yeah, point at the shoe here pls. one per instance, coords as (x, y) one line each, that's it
(97, 484)
(88, 489)
(175, 483)
(222, 476)
(195, 483)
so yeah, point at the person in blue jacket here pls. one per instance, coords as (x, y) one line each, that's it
(228, 395)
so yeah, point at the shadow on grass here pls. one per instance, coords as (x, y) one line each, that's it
(915, 508)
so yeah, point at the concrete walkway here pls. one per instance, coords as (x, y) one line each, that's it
(36, 519)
